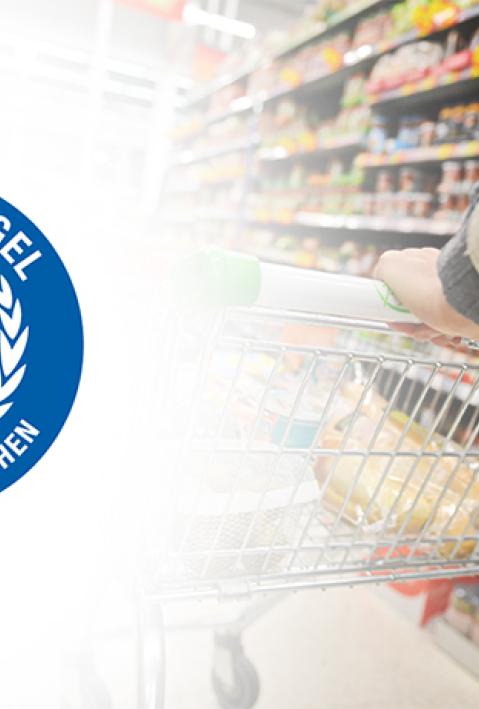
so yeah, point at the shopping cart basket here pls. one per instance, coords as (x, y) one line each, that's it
(302, 444)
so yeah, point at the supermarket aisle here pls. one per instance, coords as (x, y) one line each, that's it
(328, 650)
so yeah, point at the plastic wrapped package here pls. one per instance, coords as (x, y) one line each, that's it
(418, 489)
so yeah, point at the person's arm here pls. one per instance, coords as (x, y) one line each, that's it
(440, 287)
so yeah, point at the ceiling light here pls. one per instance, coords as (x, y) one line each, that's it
(194, 15)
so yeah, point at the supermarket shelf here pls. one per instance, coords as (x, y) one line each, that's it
(280, 154)
(221, 83)
(435, 153)
(323, 81)
(363, 56)
(407, 225)
(356, 11)
(460, 648)
(239, 105)
(203, 185)
(445, 88)
(218, 215)
(353, 61)
(200, 215)
(430, 227)
(189, 157)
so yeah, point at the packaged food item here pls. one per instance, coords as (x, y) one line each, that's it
(422, 205)
(354, 93)
(403, 204)
(372, 30)
(471, 171)
(427, 133)
(368, 204)
(409, 132)
(405, 493)
(409, 63)
(410, 180)
(451, 174)
(462, 202)
(457, 55)
(384, 181)
(378, 135)
(443, 127)
(471, 121)
(457, 124)
(447, 206)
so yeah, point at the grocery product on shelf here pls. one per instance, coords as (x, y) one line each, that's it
(409, 63)
(289, 127)
(426, 64)
(307, 156)
(356, 259)
(217, 170)
(308, 64)
(457, 123)
(455, 187)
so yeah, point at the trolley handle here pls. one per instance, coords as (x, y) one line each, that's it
(223, 278)
(329, 294)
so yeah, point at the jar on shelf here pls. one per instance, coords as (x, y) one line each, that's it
(457, 124)
(386, 204)
(409, 132)
(403, 204)
(367, 204)
(384, 181)
(427, 133)
(471, 121)
(443, 126)
(471, 171)
(447, 206)
(462, 202)
(451, 173)
(409, 179)
(422, 205)
(376, 142)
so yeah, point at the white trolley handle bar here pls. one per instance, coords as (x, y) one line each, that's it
(289, 288)
(225, 278)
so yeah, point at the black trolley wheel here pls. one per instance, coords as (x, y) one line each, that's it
(240, 690)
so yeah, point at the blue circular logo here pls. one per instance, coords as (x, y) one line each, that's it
(41, 344)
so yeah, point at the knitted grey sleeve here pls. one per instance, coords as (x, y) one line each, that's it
(458, 264)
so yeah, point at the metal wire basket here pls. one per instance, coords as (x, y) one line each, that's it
(301, 450)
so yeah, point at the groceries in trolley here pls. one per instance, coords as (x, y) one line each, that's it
(385, 470)
(297, 443)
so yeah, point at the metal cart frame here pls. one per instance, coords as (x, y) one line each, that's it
(299, 451)
(204, 562)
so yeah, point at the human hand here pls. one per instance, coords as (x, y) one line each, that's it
(412, 276)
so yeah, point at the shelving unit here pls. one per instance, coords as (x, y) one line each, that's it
(360, 223)
(261, 158)
(432, 154)
(443, 88)
(353, 143)
(354, 12)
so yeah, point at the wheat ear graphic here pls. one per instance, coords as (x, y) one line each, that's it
(13, 341)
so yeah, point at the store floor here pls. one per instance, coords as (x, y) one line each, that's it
(340, 649)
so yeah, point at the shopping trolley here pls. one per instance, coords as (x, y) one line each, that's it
(301, 444)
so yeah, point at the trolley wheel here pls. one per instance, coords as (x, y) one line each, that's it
(235, 680)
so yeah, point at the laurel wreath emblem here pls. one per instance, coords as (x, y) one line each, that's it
(13, 341)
